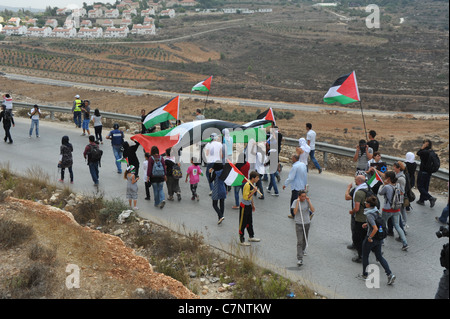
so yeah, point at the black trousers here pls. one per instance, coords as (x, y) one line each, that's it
(220, 210)
(245, 221)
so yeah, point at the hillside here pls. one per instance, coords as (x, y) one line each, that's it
(293, 54)
(45, 241)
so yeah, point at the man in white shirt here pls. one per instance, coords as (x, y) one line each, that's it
(311, 139)
(213, 152)
(35, 113)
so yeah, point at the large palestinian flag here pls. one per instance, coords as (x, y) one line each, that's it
(344, 90)
(204, 86)
(231, 175)
(167, 111)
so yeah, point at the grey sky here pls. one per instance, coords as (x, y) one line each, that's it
(42, 4)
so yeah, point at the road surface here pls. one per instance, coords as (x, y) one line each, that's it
(327, 268)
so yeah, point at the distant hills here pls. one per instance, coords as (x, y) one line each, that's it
(15, 9)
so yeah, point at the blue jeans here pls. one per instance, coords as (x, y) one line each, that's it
(313, 159)
(34, 123)
(273, 183)
(374, 246)
(118, 155)
(158, 192)
(396, 221)
(444, 216)
(93, 169)
(77, 118)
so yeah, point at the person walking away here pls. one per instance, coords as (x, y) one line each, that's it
(363, 154)
(173, 184)
(371, 243)
(388, 191)
(260, 168)
(271, 170)
(35, 113)
(357, 213)
(411, 167)
(98, 125)
(219, 192)
(8, 120)
(213, 152)
(76, 110)
(247, 208)
(297, 180)
(156, 174)
(193, 174)
(399, 169)
(302, 207)
(373, 143)
(132, 186)
(424, 175)
(8, 102)
(66, 158)
(117, 137)
(92, 154)
(311, 139)
(129, 152)
(147, 184)
(85, 111)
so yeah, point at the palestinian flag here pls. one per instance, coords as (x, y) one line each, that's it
(123, 160)
(375, 179)
(167, 111)
(267, 115)
(344, 90)
(204, 86)
(231, 175)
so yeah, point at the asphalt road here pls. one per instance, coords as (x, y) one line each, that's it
(327, 268)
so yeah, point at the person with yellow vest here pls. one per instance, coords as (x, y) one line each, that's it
(76, 110)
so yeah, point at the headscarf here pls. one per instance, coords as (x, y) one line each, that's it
(303, 145)
(65, 142)
(410, 157)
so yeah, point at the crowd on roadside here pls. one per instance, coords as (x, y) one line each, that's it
(380, 196)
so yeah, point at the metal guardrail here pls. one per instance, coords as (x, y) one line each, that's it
(320, 146)
(350, 152)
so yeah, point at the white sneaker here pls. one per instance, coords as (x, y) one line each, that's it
(253, 239)
(299, 262)
(220, 220)
(244, 243)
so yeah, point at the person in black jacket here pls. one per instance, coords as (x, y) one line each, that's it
(424, 176)
(129, 152)
(7, 119)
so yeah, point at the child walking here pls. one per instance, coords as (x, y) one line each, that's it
(193, 174)
(132, 186)
(246, 210)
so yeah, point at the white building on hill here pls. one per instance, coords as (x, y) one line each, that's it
(90, 33)
(39, 32)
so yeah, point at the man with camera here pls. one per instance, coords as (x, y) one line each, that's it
(35, 114)
(363, 154)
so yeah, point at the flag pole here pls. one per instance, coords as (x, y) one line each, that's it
(206, 101)
(245, 177)
(364, 121)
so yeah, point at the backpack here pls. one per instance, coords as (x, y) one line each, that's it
(176, 172)
(397, 198)
(381, 225)
(95, 154)
(369, 192)
(158, 168)
(433, 163)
